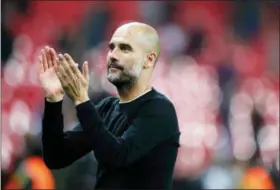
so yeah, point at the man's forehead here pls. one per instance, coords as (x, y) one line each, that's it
(129, 34)
(123, 32)
(138, 35)
(124, 35)
(119, 40)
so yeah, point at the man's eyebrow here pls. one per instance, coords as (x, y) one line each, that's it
(111, 45)
(126, 45)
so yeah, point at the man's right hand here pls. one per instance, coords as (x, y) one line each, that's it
(49, 81)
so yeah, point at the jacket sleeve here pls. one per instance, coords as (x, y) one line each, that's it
(60, 149)
(156, 122)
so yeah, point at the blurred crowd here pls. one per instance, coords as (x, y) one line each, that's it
(219, 65)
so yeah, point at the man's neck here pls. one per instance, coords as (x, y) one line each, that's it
(133, 93)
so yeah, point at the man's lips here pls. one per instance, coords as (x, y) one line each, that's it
(113, 67)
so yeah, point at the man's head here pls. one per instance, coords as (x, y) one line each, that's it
(133, 51)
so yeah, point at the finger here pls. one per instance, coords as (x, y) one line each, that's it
(40, 65)
(64, 76)
(85, 70)
(64, 65)
(53, 56)
(60, 75)
(71, 63)
(48, 55)
(44, 59)
(60, 68)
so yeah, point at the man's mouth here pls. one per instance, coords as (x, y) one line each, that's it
(113, 67)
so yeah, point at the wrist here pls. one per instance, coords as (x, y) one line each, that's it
(54, 99)
(81, 100)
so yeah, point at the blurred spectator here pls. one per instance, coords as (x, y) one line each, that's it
(257, 178)
(7, 40)
(228, 175)
(67, 40)
(21, 6)
(173, 38)
(156, 13)
(246, 19)
(271, 36)
(88, 35)
(196, 42)
(31, 171)
(227, 81)
(275, 175)
(95, 26)
(257, 123)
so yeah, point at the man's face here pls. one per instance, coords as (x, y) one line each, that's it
(125, 58)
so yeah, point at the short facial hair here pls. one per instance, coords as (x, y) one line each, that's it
(124, 86)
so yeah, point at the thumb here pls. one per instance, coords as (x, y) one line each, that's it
(85, 70)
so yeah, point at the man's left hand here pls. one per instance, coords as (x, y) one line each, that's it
(74, 83)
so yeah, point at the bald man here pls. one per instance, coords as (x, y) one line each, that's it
(135, 137)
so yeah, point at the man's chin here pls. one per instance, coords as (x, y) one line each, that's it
(119, 84)
(114, 81)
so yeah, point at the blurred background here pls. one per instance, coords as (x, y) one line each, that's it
(219, 65)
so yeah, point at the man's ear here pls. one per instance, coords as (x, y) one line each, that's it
(151, 59)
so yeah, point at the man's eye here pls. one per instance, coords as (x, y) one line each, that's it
(125, 48)
(111, 47)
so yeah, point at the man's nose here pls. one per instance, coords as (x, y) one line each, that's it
(113, 56)
(113, 59)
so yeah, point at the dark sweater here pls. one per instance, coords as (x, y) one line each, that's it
(135, 143)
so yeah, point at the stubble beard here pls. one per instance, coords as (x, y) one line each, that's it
(124, 82)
